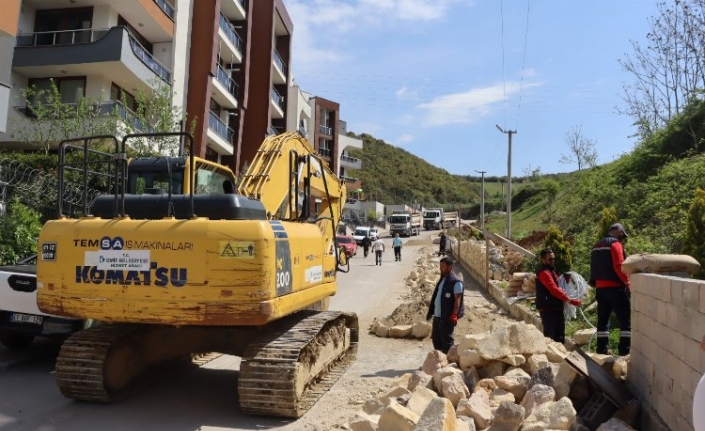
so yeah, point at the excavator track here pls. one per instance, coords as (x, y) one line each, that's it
(80, 365)
(282, 373)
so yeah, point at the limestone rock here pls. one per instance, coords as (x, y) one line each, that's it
(498, 396)
(605, 361)
(421, 330)
(583, 336)
(382, 330)
(400, 331)
(372, 407)
(537, 396)
(492, 369)
(393, 394)
(453, 388)
(413, 275)
(397, 418)
(439, 416)
(470, 341)
(513, 385)
(514, 360)
(420, 379)
(363, 422)
(614, 424)
(508, 417)
(526, 339)
(496, 345)
(453, 355)
(471, 358)
(420, 399)
(444, 372)
(537, 362)
(435, 360)
(555, 352)
(558, 415)
(488, 385)
(468, 421)
(564, 379)
(478, 408)
(472, 376)
(543, 376)
(620, 367)
(580, 392)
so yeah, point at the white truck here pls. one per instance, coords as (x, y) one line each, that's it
(360, 233)
(20, 318)
(436, 218)
(405, 224)
(450, 219)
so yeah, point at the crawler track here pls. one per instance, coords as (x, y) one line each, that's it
(282, 374)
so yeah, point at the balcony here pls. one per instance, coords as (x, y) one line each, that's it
(4, 102)
(104, 109)
(328, 131)
(167, 8)
(220, 136)
(325, 152)
(112, 53)
(351, 183)
(278, 69)
(350, 162)
(231, 48)
(226, 89)
(235, 10)
(277, 104)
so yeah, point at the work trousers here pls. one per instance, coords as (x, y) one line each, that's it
(615, 299)
(553, 322)
(397, 253)
(378, 257)
(366, 250)
(442, 334)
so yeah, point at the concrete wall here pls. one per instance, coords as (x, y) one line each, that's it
(668, 323)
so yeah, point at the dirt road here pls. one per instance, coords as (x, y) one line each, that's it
(187, 398)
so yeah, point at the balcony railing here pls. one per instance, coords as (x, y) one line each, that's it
(277, 98)
(166, 8)
(104, 109)
(219, 127)
(349, 159)
(148, 59)
(349, 179)
(326, 130)
(279, 62)
(224, 78)
(325, 152)
(68, 37)
(243, 3)
(233, 37)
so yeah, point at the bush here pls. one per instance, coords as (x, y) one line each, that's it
(695, 238)
(19, 230)
(561, 248)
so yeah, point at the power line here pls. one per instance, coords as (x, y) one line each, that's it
(523, 61)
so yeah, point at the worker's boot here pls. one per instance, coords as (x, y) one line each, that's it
(625, 341)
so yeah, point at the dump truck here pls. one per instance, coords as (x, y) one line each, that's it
(174, 262)
(405, 224)
(450, 219)
(433, 218)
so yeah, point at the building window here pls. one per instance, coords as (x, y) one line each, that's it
(119, 94)
(63, 19)
(71, 89)
(216, 108)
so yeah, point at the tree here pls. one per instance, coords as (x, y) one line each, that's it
(581, 149)
(19, 230)
(695, 232)
(561, 248)
(670, 69)
(550, 189)
(608, 217)
(53, 120)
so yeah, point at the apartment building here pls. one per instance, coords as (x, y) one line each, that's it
(8, 30)
(98, 49)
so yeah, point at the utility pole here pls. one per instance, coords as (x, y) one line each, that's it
(482, 200)
(509, 180)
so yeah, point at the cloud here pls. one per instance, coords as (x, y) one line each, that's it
(405, 139)
(469, 106)
(404, 94)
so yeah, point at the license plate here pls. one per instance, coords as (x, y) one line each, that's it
(26, 318)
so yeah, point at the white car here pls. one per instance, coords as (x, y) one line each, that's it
(374, 233)
(20, 318)
(360, 233)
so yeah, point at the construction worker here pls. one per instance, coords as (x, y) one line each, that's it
(396, 244)
(446, 306)
(378, 248)
(550, 298)
(442, 244)
(612, 288)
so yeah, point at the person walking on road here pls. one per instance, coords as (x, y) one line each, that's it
(442, 244)
(396, 244)
(613, 291)
(446, 306)
(550, 298)
(378, 248)
(366, 242)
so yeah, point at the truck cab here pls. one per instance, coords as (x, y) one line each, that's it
(360, 233)
(433, 218)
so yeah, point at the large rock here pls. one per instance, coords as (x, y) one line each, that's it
(468, 421)
(453, 355)
(393, 394)
(420, 399)
(614, 424)
(583, 336)
(620, 367)
(508, 417)
(444, 372)
(435, 360)
(537, 396)
(453, 388)
(363, 422)
(421, 330)
(471, 358)
(472, 376)
(512, 385)
(382, 330)
(373, 407)
(526, 339)
(536, 362)
(397, 418)
(492, 370)
(495, 345)
(564, 379)
(470, 341)
(478, 408)
(420, 379)
(400, 331)
(439, 416)
(487, 385)
(543, 376)
(555, 352)
(558, 415)
(498, 396)
(514, 360)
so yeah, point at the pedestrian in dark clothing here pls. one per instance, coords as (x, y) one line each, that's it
(442, 249)
(366, 242)
(446, 306)
(613, 292)
(396, 244)
(550, 298)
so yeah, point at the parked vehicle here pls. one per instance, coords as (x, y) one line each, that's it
(361, 232)
(374, 233)
(348, 242)
(20, 318)
(405, 224)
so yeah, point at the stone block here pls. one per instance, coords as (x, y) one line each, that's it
(526, 339)
(439, 416)
(420, 379)
(496, 345)
(363, 422)
(382, 331)
(555, 352)
(421, 330)
(543, 376)
(444, 372)
(487, 385)
(420, 399)
(453, 355)
(499, 395)
(435, 360)
(471, 358)
(373, 407)
(453, 388)
(464, 423)
(507, 417)
(536, 396)
(614, 424)
(565, 378)
(393, 394)
(582, 337)
(478, 408)
(492, 370)
(515, 386)
(514, 360)
(397, 418)
(470, 341)
(400, 331)
(536, 362)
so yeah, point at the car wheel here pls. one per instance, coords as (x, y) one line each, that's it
(14, 340)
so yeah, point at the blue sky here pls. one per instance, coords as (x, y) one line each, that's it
(435, 76)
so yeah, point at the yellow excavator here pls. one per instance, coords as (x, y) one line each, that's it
(172, 261)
